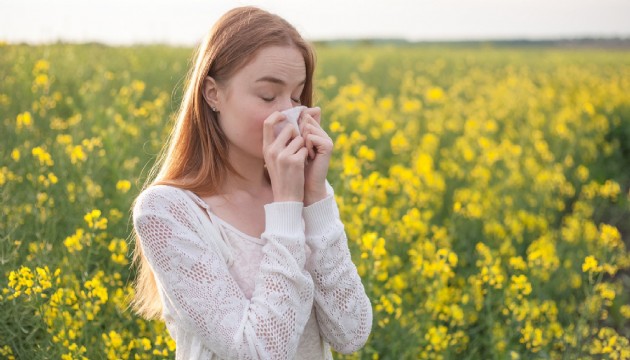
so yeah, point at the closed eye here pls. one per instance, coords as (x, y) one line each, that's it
(271, 99)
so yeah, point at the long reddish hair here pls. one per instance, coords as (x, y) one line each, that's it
(195, 154)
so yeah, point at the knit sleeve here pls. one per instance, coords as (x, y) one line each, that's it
(195, 280)
(344, 312)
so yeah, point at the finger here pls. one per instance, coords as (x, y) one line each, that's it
(304, 121)
(310, 126)
(287, 134)
(314, 112)
(308, 119)
(314, 128)
(307, 142)
(270, 122)
(294, 145)
(323, 145)
(280, 144)
(303, 154)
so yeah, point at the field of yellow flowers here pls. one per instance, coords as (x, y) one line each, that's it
(485, 193)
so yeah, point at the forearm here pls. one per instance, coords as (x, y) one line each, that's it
(344, 311)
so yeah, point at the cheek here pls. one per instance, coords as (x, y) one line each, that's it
(254, 125)
(249, 116)
(258, 119)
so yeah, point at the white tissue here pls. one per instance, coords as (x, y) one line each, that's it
(292, 115)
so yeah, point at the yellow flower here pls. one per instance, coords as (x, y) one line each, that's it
(76, 153)
(366, 153)
(610, 236)
(438, 338)
(520, 285)
(15, 155)
(542, 258)
(52, 178)
(123, 186)
(96, 288)
(7, 352)
(411, 106)
(94, 220)
(74, 243)
(41, 80)
(42, 197)
(386, 103)
(575, 281)
(118, 248)
(43, 156)
(64, 139)
(582, 173)
(138, 86)
(517, 263)
(336, 127)
(21, 281)
(24, 120)
(610, 189)
(115, 215)
(435, 94)
(399, 143)
(41, 66)
(350, 165)
(146, 343)
(424, 164)
(590, 265)
(606, 291)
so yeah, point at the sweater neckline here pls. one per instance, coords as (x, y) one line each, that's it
(238, 232)
(214, 218)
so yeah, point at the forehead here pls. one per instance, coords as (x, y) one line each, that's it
(282, 62)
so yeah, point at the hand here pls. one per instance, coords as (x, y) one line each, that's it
(320, 147)
(285, 157)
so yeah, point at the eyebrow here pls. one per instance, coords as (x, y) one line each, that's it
(275, 80)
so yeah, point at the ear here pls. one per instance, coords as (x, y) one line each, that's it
(211, 93)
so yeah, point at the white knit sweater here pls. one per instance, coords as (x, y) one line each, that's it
(225, 299)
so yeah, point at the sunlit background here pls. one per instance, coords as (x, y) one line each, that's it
(185, 22)
(484, 187)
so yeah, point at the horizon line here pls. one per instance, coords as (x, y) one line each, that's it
(367, 39)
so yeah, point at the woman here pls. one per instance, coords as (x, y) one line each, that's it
(239, 244)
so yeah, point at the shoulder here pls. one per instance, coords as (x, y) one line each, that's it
(158, 198)
(159, 194)
(161, 209)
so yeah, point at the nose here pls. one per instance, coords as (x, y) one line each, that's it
(285, 104)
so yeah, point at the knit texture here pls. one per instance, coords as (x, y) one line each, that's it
(226, 295)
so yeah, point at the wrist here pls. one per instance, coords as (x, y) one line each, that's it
(288, 196)
(280, 198)
(313, 196)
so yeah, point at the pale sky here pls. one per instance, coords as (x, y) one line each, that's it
(185, 22)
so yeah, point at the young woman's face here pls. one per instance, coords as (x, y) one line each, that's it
(272, 81)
